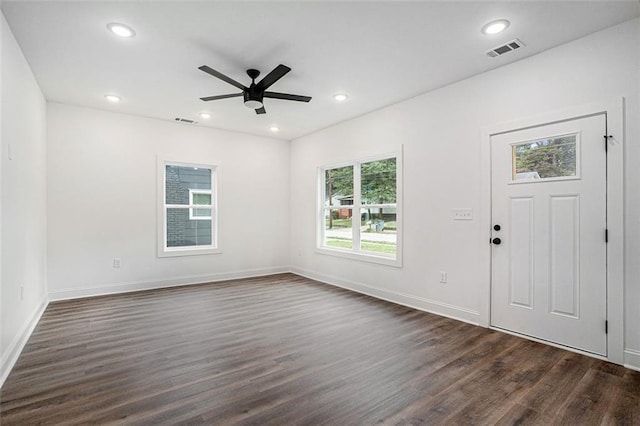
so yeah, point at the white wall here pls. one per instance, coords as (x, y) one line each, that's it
(102, 202)
(440, 132)
(23, 202)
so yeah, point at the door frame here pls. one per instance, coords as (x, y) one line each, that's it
(614, 111)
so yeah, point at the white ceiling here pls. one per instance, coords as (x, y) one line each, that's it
(378, 52)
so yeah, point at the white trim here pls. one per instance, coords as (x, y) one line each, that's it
(632, 359)
(189, 251)
(362, 256)
(411, 301)
(614, 110)
(118, 288)
(578, 164)
(161, 232)
(13, 351)
(355, 253)
(192, 205)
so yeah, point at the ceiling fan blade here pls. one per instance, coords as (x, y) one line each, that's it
(222, 77)
(261, 110)
(215, 98)
(286, 96)
(275, 75)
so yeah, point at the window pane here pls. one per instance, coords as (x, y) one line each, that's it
(378, 230)
(338, 230)
(204, 213)
(378, 182)
(338, 186)
(180, 179)
(544, 158)
(185, 232)
(202, 199)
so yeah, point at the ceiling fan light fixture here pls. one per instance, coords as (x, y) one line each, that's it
(274, 129)
(121, 30)
(495, 27)
(205, 115)
(113, 98)
(253, 104)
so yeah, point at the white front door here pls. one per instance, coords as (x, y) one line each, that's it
(549, 255)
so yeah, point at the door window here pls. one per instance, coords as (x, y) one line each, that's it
(544, 159)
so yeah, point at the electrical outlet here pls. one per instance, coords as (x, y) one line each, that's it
(443, 277)
(116, 262)
(21, 292)
(462, 214)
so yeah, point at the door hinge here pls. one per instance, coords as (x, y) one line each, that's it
(606, 235)
(606, 327)
(606, 142)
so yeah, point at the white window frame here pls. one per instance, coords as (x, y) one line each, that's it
(355, 253)
(192, 216)
(577, 176)
(214, 247)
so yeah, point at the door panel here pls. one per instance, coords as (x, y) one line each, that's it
(564, 254)
(520, 244)
(549, 196)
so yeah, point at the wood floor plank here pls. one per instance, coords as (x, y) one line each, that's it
(284, 349)
(523, 416)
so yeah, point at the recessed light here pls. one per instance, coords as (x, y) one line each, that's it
(274, 128)
(112, 98)
(495, 27)
(340, 97)
(121, 30)
(205, 115)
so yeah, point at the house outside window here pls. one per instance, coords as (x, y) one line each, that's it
(187, 219)
(360, 204)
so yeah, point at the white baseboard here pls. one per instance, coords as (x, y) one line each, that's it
(11, 354)
(420, 303)
(632, 359)
(170, 282)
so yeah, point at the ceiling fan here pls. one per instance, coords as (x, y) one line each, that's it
(256, 92)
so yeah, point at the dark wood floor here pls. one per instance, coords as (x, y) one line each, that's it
(286, 350)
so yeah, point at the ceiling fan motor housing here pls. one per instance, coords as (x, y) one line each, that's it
(253, 97)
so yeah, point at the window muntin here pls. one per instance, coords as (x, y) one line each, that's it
(550, 158)
(200, 197)
(360, 209)
(188, 209)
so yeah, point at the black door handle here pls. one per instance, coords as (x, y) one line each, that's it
(496, 227)
(496, 241)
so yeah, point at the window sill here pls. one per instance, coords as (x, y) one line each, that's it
(186, 251)
(362, 257)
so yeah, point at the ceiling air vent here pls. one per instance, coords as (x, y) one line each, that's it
(185, 120)
(508, 47)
